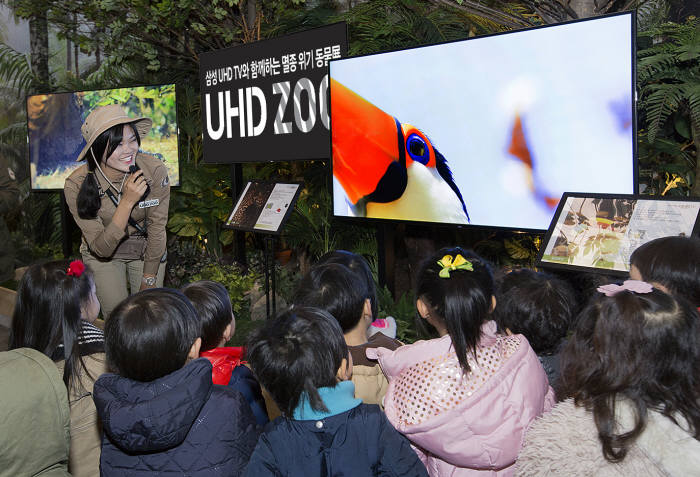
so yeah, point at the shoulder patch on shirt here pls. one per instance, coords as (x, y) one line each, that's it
(165, 182)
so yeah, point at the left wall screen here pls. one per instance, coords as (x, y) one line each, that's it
(55, 140)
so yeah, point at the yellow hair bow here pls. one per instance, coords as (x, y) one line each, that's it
(448, 265)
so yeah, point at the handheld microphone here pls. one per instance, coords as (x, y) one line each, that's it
(133, 168)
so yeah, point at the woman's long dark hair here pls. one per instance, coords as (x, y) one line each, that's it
(89, 200)
(462, 301)
(644, 348)
(48, 312)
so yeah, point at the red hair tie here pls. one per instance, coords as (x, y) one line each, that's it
(75, 269)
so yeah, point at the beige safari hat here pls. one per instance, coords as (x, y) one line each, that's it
(103, 118)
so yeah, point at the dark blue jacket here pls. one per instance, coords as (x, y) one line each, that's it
(356, 443)
(180, 424)
(243, 381)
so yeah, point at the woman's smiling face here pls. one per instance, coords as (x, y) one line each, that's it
(125, 154)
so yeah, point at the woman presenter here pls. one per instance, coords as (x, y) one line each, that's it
(119, 199)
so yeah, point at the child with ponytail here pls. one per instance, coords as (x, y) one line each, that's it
(464, 399)
(56, 306)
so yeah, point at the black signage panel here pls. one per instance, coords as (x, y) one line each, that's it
(268, 100)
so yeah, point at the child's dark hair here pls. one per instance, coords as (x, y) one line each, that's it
(673, 262)
(213, 305)
(47, 314)
(149, 334)
(642, 347)
(335, 289)
(89, 200)
(537, 305)
(296, 353)
(358, 264)
(463, 301)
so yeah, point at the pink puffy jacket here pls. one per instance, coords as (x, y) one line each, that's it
(465, 426)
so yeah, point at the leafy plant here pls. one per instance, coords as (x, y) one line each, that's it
(236, 282)
(668, 75)
(201, 206)
(403, 310)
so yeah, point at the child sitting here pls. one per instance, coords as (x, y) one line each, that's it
(213, 305)
(630, 371)
(540, 307)
(340, 292)
(160, 413)
(464, 399)
(56, 305)
(302, 360)
(671, 264)
(359, 266)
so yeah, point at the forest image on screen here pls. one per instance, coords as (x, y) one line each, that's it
(489, 131)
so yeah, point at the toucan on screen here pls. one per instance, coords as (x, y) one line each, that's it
(488, 131)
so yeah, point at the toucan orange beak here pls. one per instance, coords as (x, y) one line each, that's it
(364, 139)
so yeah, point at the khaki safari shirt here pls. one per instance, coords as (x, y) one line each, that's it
(102, 237)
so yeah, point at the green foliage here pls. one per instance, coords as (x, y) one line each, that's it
(15, 69)
(510, 249)
(403, 310)
(237, 283)
(163, 37)
(382, 25)
(201, 206)
(668, 79)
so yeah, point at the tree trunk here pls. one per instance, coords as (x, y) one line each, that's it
(69, 62)
(39, 48)
(695, 129)
(583, 8)
(251, 13)
(76, 48)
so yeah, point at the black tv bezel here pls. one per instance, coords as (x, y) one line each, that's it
(451, 225)
(28, 154)
(588, 195)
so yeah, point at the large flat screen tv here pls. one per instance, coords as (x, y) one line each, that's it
(55, 140)
(488, 131)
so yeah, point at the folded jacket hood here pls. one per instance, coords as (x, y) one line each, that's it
(153, 416)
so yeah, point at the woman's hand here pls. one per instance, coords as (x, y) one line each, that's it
(134, 188)
(148, 281)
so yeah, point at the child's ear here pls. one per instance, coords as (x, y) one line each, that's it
(194, 350)
(423, 309)
(367, 310)
(228, 332)
(345, 370)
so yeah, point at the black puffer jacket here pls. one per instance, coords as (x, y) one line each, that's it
(180, 424)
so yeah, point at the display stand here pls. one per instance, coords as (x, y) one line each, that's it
(264, 207)
(238, 237)
(270, 284)
(386, 259)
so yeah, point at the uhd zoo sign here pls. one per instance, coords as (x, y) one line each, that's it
(268, 101)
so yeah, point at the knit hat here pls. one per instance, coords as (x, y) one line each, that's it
(105, 117)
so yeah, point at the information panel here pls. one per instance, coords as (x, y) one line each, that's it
(600, 231)
(268, 100)
(264, 206)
